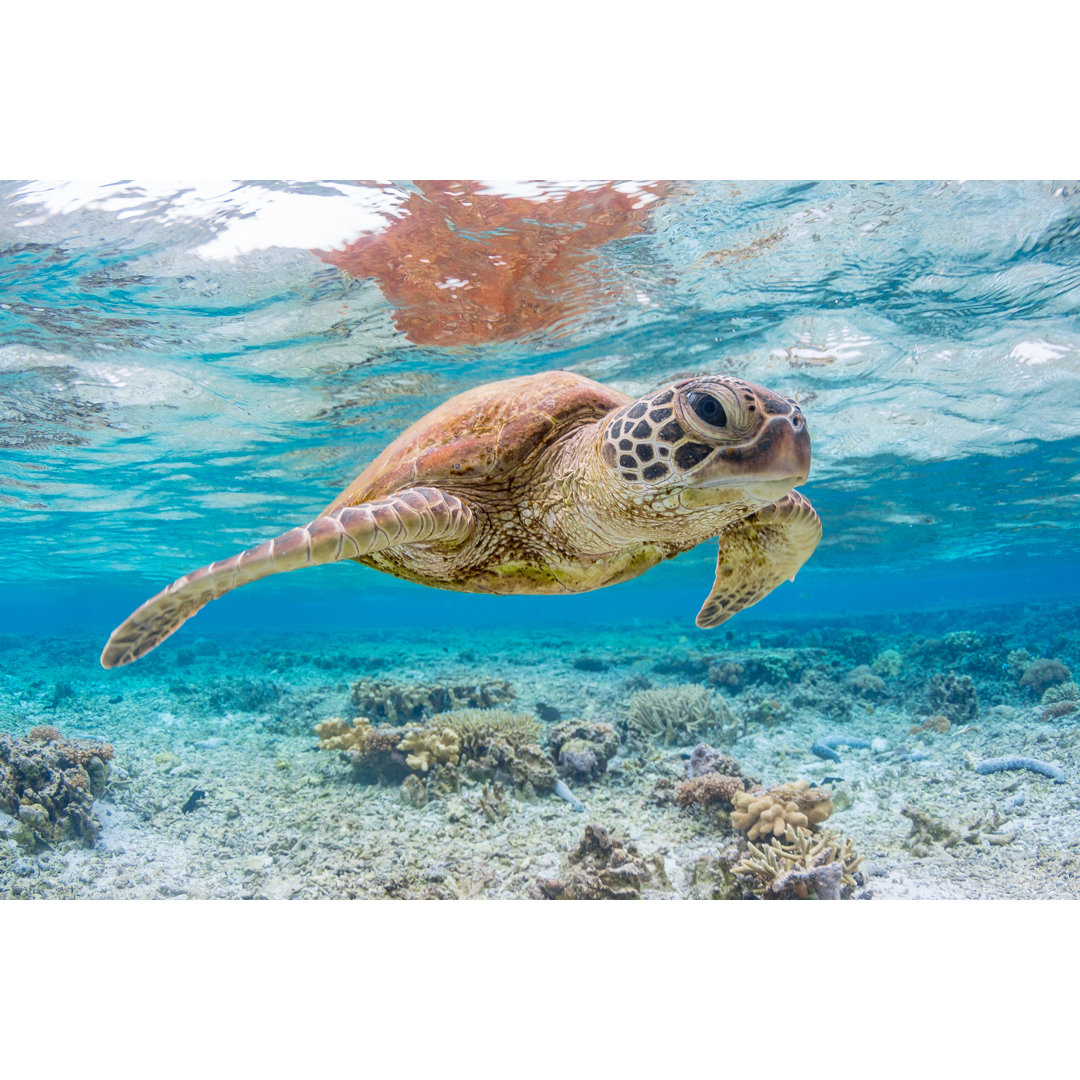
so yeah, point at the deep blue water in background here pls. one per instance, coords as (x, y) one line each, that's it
(182, 376)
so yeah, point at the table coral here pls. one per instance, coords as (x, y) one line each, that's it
(678, 715)
(801, 866)
(759, 813)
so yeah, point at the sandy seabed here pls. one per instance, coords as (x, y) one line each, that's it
(279, 818)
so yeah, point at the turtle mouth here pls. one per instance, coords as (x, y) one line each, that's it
(775, 460)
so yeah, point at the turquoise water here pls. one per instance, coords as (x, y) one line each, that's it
(187, 370)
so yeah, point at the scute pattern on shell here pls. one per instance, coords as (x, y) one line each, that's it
(482, 434)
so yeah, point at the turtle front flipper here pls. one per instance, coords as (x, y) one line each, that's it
(415, 516)
(766, 549)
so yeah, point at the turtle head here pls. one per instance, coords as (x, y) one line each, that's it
(713, 439)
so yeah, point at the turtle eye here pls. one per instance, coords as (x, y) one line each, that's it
(708, 408)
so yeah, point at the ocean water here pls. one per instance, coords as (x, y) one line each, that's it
(189, 369)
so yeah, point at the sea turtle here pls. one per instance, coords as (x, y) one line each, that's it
(551, 483)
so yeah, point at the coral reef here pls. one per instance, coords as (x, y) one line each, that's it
(712, 789)
(677, 715)
(887, 663)
(726, 673)
(1001, 764)
(1066, 691)
(817, 691)
(49, 784)
(476, 729)
(397, 703)
(954, 696)
(426, 748)
(372, 751)
(759, 813)
(802, 866)
(1043, 673)
(604, 867)
(865, 683)
(706, 759)
(1059, 708)
(582, 748)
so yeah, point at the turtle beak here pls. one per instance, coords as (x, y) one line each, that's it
(768, 466)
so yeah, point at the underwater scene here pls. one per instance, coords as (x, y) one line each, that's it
(705, 540)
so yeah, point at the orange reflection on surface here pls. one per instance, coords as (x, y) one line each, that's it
(465, 266)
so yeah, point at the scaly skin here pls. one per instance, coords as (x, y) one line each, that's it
(412, 517)
(551, 484)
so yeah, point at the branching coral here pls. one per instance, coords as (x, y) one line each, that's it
(373, 751)
(712, 789)
(1059, 708)
(1066, 691)
(679, 714)
(939, 724)
(476, 729)
(801, 865)
(760, 813)
(398, 703)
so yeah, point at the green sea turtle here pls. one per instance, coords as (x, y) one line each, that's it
(551, 483)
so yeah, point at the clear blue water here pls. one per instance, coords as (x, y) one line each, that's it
(185, 371)
(171, 389)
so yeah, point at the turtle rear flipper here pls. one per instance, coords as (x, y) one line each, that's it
(768, 548)
(415, 516)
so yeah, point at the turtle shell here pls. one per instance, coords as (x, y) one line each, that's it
(483, 434)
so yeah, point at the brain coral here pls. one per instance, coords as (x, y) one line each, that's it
(796, 804)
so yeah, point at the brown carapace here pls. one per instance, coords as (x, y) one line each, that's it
(552, 484)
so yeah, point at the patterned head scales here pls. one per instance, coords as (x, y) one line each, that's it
(708, 431)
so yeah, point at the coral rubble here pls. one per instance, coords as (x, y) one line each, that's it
(603, 867)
